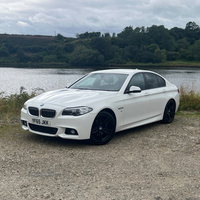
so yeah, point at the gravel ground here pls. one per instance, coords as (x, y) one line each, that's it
(155, 161)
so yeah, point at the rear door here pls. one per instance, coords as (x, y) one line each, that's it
(156, 87)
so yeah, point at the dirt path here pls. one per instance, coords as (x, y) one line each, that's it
(156, 162)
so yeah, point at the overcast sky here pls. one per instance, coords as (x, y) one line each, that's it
(68, 17)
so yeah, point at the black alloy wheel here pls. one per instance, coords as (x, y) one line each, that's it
(169, 112)
(103, 128)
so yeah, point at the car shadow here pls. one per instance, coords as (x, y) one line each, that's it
(122, 135)
(54, 141)
(140, 130)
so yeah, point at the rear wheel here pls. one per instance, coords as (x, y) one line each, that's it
(103, 128)
(169, 112)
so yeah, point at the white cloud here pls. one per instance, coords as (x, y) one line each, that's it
(23, 24)
(78, 16)
(41, 18)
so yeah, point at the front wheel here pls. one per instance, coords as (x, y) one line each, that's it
(103, 128)
(169, 112)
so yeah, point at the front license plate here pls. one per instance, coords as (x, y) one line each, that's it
(41, 122)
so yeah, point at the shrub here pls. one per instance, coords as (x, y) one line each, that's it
(10, 106)
(189, 101)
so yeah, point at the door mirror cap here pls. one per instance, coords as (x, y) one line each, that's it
(134, 89)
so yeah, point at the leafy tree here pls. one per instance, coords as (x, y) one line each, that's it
(127, 32)
(172, 56)
(129, 53)
(59, 37)
(177, 33)
(103, 45)
(21, 57)
(192, 26)
(4, 52)
(83, 56)
(87, 35)
(35, 49)
(50, 59)
(160, 56)
(160, 35)
(182, 44)
(114, 35)
(192, 31)
(153, 47)
(120, 42)
(69, 47)
(144, 57)
(107, 35)
(194, 51)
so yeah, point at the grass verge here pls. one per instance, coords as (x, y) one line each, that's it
(189, 101)
(10, 106)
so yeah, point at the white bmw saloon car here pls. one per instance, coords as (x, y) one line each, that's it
(100, 104)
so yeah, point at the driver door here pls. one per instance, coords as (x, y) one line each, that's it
(136, 105)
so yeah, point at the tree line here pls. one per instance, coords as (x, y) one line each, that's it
(155, 44)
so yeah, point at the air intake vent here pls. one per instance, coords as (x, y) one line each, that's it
(48, 113)
(33, 111)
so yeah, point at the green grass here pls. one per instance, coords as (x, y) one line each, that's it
(10, 106)
(189, 101)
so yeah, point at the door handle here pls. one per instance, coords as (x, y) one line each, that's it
(164, 90)
(146, 93)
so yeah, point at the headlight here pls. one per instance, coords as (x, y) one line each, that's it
(25, 106)
(76, 111)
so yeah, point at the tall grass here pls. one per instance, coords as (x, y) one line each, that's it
(189, 101)
(10, 106)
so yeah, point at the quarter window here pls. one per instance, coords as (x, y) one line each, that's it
(161, 81)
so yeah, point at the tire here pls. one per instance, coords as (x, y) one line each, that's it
(103, 128)
(169, 112)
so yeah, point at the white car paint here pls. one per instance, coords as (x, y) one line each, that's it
(129, 109)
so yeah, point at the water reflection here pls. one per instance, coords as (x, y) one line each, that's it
(11, 79)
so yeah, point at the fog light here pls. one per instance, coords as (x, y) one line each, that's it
(24, 123)
(70, 131)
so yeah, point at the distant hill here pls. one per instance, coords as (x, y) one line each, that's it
(150, 45)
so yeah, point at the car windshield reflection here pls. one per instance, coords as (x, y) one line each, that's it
(101, 81)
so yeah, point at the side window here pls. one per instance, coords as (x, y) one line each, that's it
(137, 80)
(152, 81)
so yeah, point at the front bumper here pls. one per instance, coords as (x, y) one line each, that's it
(67, 127)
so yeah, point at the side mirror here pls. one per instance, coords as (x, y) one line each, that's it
(134, 89)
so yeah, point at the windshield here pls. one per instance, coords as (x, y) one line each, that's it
(100, 81)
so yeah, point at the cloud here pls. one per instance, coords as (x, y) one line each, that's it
(23, 24)
(70, 17)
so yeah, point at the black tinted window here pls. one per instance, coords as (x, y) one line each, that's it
(154, 81)
(161, 81)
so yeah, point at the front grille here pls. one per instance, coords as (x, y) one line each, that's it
(43, 129)
(33, 111)
(48, 113)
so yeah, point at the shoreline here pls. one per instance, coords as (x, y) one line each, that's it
(131, 65)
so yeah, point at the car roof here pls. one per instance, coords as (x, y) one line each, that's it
(121, 71)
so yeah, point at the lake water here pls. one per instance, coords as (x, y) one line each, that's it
(11, 79)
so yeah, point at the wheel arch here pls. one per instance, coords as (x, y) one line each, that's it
(165, 118)
(110, 111)
(173, 101)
